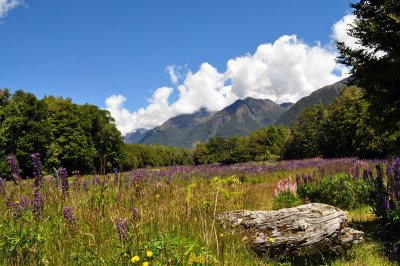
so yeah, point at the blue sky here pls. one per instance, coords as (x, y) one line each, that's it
(90, 50)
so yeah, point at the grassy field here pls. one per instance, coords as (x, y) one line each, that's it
(156, 217)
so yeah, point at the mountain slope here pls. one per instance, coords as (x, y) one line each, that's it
(240, 118)
(136, 136)
(325, 95)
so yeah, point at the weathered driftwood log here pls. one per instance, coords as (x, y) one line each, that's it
(303, 230)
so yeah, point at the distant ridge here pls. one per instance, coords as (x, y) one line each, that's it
(240, 118)
(325, 95)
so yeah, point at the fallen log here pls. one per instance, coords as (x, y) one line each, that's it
(303, 230)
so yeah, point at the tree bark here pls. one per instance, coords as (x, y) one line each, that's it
(303, 230)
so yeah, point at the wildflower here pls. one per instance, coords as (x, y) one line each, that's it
(115, 176)
(96, 180)
(64, 178)
(135, 259)
(37, 172)
(37, 203)
(271, 239)
(69, 215)
(56, 177)
(24, 203)
(122, 225)
(149, 253)
(387, 204)
(2, 185)
(221, 235)
(146, 263)
(14, 169)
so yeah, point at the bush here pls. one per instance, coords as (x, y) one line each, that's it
(286, 199)
(340, 190)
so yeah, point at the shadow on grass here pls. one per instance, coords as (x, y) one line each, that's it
(388, 236)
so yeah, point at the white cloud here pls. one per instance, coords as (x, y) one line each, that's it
(7, 5)
(173, 74)
(285, 70)
(340, 33)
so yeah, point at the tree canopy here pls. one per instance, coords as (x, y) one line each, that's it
(375, 65)
(78, 137)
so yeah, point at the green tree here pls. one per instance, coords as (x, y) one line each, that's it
(346, 129)
(307, 134)
(376, 65)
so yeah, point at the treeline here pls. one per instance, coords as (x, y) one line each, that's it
(263, 144)
(152, 155)
(344, 128)
(78, 137)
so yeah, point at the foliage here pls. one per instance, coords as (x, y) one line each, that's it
(263, 144)
(341, 129)
(307, 133)
(340, 190)
(286, 199)
(81, 137)
(375, 65)
(152, 155)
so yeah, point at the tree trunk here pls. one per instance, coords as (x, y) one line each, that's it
(303, 230)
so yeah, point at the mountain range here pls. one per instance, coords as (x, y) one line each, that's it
(240, 118)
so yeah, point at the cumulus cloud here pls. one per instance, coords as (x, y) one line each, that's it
(282, 71)
(285, 70)
(7, 5)
(340, 33)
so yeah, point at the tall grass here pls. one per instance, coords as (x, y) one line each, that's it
(168, 213)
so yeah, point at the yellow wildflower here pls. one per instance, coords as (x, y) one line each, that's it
(146, 263)
(135, 259)
(271, 239)
(221, 235)
(149, 253)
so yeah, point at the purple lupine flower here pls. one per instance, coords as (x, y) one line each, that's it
(14, 169)
(136, 214)
(24, 202)
(69, 216)
(397, 169)
(16, 209)
(115, 176)
(2, 185)
(85, 185)
(122, 225)
(37, 171)
(56, 177)
(37, 203)
(298, 180)
(64, 180)
(96, 180)
(386, 203)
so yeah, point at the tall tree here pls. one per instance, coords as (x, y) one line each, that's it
(375, 65)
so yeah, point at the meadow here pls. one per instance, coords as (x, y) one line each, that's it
(166, 216)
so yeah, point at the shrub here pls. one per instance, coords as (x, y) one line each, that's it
(340, 190)
(286, 199)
